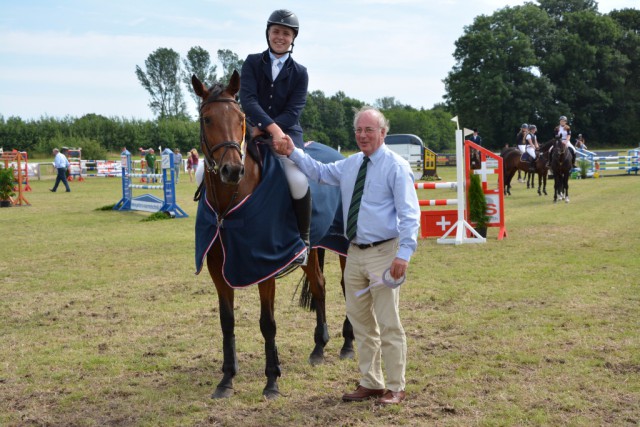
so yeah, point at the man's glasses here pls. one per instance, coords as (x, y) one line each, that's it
(368, 131)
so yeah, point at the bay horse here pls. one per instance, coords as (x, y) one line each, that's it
(474, 159)
(542, 170)
(512, 163)
(561, 165)
(229, 178)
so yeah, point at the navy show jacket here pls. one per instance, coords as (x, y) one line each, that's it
(265, 101)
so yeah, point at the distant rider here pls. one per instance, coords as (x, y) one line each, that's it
(532, 146)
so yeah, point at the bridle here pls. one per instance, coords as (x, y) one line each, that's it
(210, 163)
(211, 166)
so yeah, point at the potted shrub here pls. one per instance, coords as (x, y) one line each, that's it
(477, 206)
(583, 164)
(6, 187)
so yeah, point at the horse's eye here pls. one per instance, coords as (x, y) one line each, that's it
(207, 120)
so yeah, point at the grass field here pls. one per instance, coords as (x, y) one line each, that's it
(102, 321)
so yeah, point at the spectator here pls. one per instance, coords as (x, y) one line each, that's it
(475, 138)
(192, 163)
(61, 164)
(177, 163)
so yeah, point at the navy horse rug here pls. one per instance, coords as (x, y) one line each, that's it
(259, 236)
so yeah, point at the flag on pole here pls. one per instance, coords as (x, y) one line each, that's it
(467, 132)
(455, 119)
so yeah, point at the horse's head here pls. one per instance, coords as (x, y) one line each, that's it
(560, 147)
(222, 129)
(474, 159)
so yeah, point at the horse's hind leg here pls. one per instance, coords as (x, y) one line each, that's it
(227, 323)
(316, 286)
(347, 351)
(268, 328)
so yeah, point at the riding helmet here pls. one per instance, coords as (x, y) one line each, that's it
(532, 127)
(285, 18)
(563, 118)
(524, 126)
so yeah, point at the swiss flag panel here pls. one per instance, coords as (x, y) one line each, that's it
(436, 223)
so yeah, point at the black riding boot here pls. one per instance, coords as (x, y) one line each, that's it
(302, 209)
(549, 159)
(573, 159)
(532, 165)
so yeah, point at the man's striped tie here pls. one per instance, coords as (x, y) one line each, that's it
(354, 207)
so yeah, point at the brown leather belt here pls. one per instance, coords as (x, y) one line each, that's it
(369, 245)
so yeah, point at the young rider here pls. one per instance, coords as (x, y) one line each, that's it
(273, 92)
(563, 131)
(532, 146)
(521, 142)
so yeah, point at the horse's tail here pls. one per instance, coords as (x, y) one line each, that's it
(306, 299)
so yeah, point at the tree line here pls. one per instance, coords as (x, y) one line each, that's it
(522, 64)
(534, 63)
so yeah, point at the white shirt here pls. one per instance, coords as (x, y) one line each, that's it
(60, 161)
(389, 206)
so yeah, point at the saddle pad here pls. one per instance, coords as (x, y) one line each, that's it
(256, 248)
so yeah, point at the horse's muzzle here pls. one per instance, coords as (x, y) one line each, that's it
(231, 174)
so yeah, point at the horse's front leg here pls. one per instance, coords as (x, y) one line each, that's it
(268, 328)
(315, 276)
(227, 323)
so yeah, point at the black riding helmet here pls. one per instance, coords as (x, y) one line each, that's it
(286, 18)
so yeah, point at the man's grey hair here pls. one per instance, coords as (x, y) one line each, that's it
(383, 123)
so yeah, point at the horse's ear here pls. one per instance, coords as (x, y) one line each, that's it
(199, 88)
(234, 83)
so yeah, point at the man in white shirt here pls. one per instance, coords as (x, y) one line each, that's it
(61, 164)
(382, 216)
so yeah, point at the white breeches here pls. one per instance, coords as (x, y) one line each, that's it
(200, 172)
(566, 141)
(521, 148)
(531, 151)
(298, 184)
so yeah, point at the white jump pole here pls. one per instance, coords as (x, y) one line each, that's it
(461, 225)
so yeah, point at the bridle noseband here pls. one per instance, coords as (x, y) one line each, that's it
(210, 163)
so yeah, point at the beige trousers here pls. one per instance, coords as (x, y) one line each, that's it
(375, 318)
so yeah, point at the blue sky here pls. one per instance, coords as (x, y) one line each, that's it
(71, 57)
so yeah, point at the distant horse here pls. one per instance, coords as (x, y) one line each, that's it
(229, 179)
(542, 170)
(561, 165)
(474, 159)
(512, 162)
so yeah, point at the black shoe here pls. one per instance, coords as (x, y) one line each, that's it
(68, 191)
(302, 209)
(52, 190)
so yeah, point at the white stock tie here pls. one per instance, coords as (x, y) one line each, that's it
(275, 69)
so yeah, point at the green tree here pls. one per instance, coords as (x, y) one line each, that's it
(230, 62)
(198, 62)
(162, 80)
(495, 84)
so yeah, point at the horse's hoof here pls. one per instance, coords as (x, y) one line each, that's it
(315, 359)
(222, 393)
(271, 394)
(347, 354)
